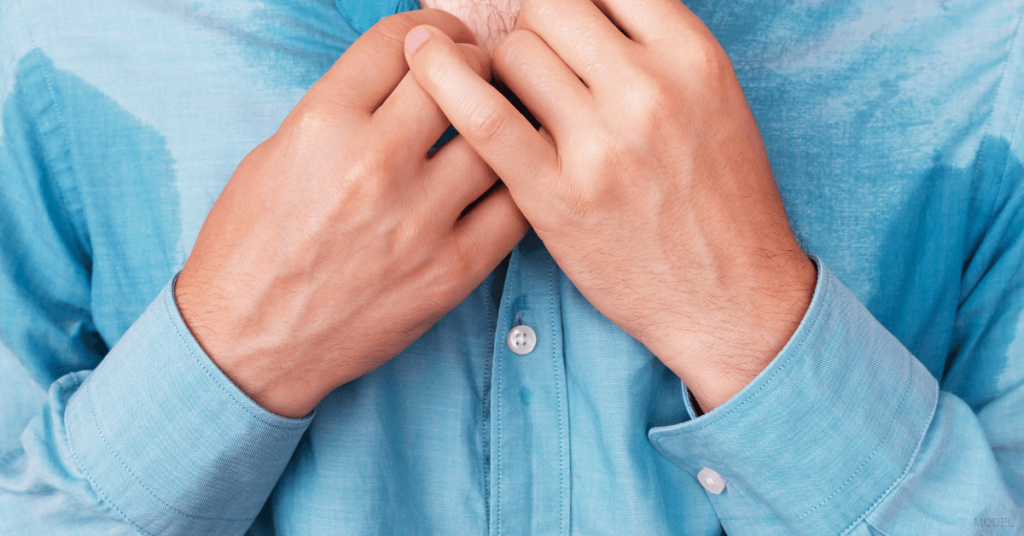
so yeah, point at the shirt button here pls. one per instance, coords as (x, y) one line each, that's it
(521, 340)
(711, 480)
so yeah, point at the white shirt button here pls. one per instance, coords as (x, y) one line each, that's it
(711, 481)
(521, 340)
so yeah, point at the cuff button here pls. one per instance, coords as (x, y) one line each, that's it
(712, 481)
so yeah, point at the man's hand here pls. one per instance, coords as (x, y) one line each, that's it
(338, 242)
(648, 183)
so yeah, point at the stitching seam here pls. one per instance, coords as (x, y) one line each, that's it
(79, 233)
(511, 283)
(81, 467)
(485, 401)
(136, 478)
(988, 128)
(558, 397)
(1020, 109)
(888, 432)
(906, 468)
(99, 431)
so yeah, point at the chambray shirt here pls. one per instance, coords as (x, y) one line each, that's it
(896, 408)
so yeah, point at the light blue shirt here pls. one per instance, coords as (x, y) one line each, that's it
(896, 408)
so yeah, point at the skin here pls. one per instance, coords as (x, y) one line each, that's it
(489, 20)
(648, 183)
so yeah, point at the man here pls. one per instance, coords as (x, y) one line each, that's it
(347, 267)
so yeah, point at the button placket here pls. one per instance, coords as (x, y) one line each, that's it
(530, 456)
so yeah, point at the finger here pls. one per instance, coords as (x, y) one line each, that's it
(456, 176)
(581, 35)
(411, 114)
(374, 65)
(542, 81)
(487, 233)
(490, 123)
(645, 21)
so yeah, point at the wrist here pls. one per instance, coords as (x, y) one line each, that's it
(270, 378)
(733, 345)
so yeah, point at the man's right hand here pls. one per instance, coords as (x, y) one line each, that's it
(338, 242)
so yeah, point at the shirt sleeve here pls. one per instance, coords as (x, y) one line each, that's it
(847, 432)
(147, 438)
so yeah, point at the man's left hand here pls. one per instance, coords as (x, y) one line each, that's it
(648, 181)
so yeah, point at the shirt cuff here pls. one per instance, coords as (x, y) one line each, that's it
(821, 435)
(167, 440)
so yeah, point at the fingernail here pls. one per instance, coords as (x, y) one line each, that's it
(415, 38)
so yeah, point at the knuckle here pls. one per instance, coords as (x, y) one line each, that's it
(706, 59)
(394, 27)
(478, 60)
(486, 122)
(595, 152)
(530, 11)
(307, 124)
(511, 48)
(436, 65)
(647, 95)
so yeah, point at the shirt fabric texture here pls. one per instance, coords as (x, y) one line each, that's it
(894, 133)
